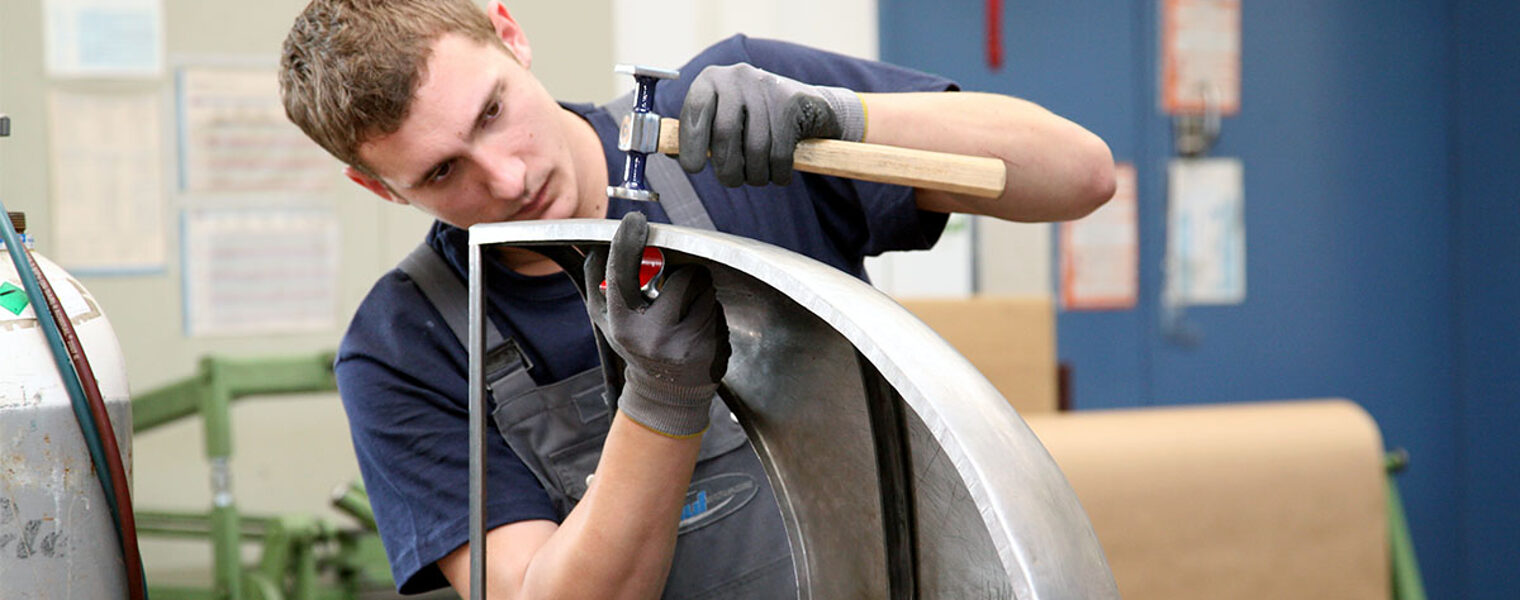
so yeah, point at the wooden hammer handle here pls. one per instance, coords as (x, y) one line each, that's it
(957, 173)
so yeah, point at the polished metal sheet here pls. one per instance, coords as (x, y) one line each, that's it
(985, 512)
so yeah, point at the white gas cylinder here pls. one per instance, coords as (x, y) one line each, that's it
(57, 539)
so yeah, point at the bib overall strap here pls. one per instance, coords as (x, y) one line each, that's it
(677, 197)
(506, 367)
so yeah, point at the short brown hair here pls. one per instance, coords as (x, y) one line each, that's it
(349, 67)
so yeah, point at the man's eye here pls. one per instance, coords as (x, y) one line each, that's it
(493, 111)
(440, 172)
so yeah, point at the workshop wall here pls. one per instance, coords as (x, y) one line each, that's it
(1379, 148)
(1487, 247)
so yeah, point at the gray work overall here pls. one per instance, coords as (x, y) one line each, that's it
(731, 542)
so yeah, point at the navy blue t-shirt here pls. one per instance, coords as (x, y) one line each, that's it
(403, 376)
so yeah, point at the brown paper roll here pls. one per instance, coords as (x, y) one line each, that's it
(1241, 501)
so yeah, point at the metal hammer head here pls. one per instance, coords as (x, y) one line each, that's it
(639, 135)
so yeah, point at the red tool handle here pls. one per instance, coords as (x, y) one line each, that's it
(651, 273)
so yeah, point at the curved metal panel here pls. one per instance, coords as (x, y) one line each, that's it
(985, 512)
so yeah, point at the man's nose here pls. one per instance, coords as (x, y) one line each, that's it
(506, 176)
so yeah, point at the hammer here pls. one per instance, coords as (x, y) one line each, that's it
(643, 133)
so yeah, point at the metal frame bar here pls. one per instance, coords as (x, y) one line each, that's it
(477, 426)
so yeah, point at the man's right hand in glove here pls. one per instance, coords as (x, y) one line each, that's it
(619, 540)
(750, 121)
(676, 346)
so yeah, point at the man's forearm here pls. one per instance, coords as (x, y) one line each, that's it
(1056, 169)
(619, 540)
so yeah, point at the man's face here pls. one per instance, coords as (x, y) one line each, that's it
(483, 142)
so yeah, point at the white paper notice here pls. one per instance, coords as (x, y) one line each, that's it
(235, 137)
(104, 38)
(260, 270)
(1100, 252)
(1206, 233)
(1200, 55)
(944, 271)
(108, 192)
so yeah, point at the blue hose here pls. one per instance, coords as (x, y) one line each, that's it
(66, 371)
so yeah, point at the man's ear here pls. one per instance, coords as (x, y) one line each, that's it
(511, 34)
(374, 185)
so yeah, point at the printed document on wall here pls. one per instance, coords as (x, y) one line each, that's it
(107, 182)
(1200, 56)
(1206, 234)
(1100, 252)
(260, 270)
(944, 271)
(235, 137)
(104, 38)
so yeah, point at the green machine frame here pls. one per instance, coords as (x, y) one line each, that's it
(1407, 583)
(297, 549)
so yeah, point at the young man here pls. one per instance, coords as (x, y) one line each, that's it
(432, 104)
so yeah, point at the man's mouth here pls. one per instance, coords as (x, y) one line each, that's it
(535, 203)
(543, 193)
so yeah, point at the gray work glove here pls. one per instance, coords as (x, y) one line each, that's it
(676, 347)
(751, 120)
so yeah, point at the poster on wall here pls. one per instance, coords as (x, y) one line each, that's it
(263, 270)
(1200, 56)
(1100, 264)
(234, 136)
(944, 271)
(107, 182)
(1206, 233)
(103, 38)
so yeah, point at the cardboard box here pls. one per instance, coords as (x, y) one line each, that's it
(1010, 339)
